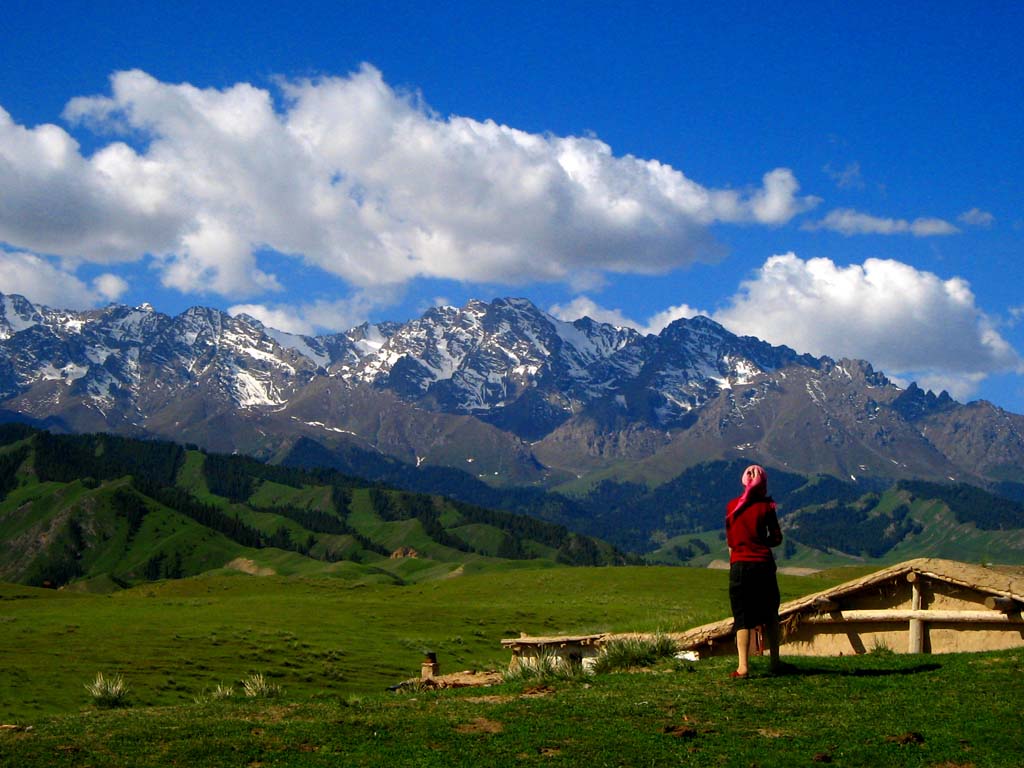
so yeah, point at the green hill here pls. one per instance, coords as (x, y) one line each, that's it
(100, 512)
(103, 512)
(908, 520)
(830, 521)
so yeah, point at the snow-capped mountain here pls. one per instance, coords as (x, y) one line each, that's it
(501, 388)
(130, 362)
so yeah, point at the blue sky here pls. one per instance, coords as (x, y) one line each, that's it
(842, 178)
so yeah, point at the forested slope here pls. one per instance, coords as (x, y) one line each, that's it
(110, 511)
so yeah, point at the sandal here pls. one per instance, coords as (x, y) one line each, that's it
(738, 675)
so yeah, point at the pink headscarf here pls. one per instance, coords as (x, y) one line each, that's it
(755, 486)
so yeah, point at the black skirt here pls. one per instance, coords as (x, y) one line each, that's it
(753, 593)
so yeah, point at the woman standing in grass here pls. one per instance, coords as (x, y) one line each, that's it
(752, 529)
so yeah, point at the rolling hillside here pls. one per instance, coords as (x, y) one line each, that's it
(828, 521)
(102, 512)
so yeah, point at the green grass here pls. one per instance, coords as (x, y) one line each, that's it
(631, 652)
(332, 647)
(321, 637)
(944, 711)
(483, 538)
(270, 494)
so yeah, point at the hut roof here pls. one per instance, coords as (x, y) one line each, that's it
(997, 581)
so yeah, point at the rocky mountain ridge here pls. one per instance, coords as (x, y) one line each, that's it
(500, 389)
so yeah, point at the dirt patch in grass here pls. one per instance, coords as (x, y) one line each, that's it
(910, 737)
(481, 725)
(496, 699)
(245, 565)
(9, 733)
(537, 690)
(534, 692)
(274, 714)
(542, 751)
(680, 731)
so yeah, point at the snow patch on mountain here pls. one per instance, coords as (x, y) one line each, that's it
(15, 318)
(299, 344)
(250, 391)
(69, 373)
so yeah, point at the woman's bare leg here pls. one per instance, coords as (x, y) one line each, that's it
(742, 650)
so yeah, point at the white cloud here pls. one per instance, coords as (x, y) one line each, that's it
(776, 202)
(214, 257)
(584, 306)
(976, 218)
(927, 227)
(318, 316)
(287, 319)
(355, 179)
(110, 287)
(41, 282)
(52, 200)
(850, 222)
(658, 322)
(909, 323)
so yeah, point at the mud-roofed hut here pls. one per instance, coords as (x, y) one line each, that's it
(919, 606)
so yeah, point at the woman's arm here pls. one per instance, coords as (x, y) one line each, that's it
(772, 533)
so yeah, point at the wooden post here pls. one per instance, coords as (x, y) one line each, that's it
(430, 667)
(916, 640)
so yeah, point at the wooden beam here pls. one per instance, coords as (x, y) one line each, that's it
(902, 615)
(1004, 604)
(560, 641)
(823, 604)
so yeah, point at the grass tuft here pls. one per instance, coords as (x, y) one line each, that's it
(881, 648)
(108, 692)
(256, 686)
(220, 693)
(633, 652)
(546, 667)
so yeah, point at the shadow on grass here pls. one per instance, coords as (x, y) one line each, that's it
(808, 671)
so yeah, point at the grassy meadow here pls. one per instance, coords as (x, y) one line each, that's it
(334, 646)
(319, 637)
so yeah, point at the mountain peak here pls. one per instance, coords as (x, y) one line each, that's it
(698, 324)
(493, 374)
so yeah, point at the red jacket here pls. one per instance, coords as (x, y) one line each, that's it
(752, 531)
